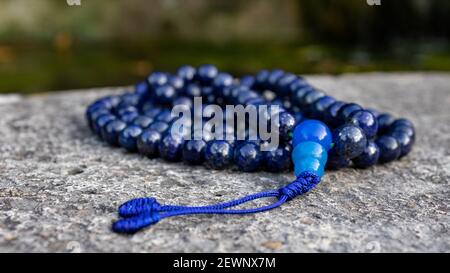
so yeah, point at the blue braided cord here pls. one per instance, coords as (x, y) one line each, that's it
(143, 212)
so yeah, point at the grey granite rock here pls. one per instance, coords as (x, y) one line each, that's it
(60, 186)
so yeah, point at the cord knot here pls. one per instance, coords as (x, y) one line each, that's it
(133, 224)
(139, 206)
(304, 183)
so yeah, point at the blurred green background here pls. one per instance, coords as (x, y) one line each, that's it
(49, 45)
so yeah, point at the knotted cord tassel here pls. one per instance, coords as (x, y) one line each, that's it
(143, 212)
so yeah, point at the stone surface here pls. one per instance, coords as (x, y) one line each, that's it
(60, 186)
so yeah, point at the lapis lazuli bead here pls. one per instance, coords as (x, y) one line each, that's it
(171, 146)
(318, 108)
(176, 82)
(390, 149)
(247, 80)
(331, 113)
(165, 115)
(248, 157)
(194, 152)
(112, 131)
(187, 73)
(308, 99)
(349, 140)
(165, 94)
(261, 79)
(286, 125)
(141, 89)
(335, 161)
(346, 110)
(148, 143)
(309, 164)
(157, 79)
(159, 126)
(206, 73)
(218, 154)
(128, 137)
(142, 121)
(297, 97)
(369, 157)
(308, 149)
(312, 130)
(278, 160)
(193, 90)
(366, 121)
(101, 122)
(405, 140)
(222, 81)
(384, 123)
(282, 85)
(273, 78)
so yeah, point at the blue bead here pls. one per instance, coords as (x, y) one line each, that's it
(101, 122)
(286, 125)
(152, 112)
(165, 115)
(183, 101)
(369, 157)
(171, 146)
(157, 79)
(402, 122)
(283, 83)
(331, 113)
(176, 82)
(193, 152)
(165, 94)
(261, 79)
(248, 81)
(128, 137)
(129, 99)
(159, 126)
(403, 129)
(193, 90)
(309, 164)
(187, 73)
(318, 108)
(142, 121)
(206, 74)
(297, 84)
(129, 117)
(248, 157)
(218, 154)
(312, 130)
(297, 96)
(349, 140)
(384, 123)
(92, 116)
(390, 149)
(309, 149)
(222, 81)
(298, 117)
(141, 89)
(245, 96)
(148, 143)
(366, 121)
(405, 140)
(126, 109)
(335, 161)
(346, 110)
(308, 99)
(273, 78)
(278, 160)
(112, 131)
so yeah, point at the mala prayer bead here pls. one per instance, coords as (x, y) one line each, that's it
(315, 132)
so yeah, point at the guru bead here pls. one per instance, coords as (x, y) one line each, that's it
(311, 142)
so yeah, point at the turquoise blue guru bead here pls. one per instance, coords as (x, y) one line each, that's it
(311, 140)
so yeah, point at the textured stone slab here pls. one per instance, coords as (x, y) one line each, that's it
(60, 186)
